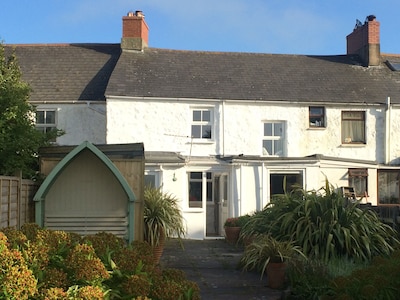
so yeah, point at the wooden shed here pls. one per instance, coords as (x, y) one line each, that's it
(90, 189)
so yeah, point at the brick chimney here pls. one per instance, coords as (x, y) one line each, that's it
(365, 41)
(135, 32)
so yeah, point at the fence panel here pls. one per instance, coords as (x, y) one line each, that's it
(16, 201)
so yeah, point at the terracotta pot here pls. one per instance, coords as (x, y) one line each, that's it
(276, 275)
(159, 249)
(232, 234)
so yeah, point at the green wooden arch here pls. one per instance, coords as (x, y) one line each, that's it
(51, 178)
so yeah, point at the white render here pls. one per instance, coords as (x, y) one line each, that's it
(239, 125)
(165, 125)
(80, 121)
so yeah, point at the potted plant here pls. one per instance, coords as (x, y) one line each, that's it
(268, 255)
(162, 219)
(232, 230)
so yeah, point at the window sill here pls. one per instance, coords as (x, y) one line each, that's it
(353, 145)
(317, 128)
(201, 141)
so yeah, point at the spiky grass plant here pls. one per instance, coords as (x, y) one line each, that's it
(162, 215)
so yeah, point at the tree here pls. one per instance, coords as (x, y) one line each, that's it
(19, 140)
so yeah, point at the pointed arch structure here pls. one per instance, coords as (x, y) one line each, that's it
(86, 193)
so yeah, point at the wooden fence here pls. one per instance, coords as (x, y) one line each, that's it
(16, 201)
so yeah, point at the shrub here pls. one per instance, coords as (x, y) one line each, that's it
(85, 266)
(323, 225)
(61, 265)
(16, 280)
(104, 242)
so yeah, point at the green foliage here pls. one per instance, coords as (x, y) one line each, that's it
(60, 265)
(162, 214)
(324, 226)
(380, 280)
(19, 140)
(265, 249)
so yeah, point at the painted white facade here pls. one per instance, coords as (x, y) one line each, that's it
(80, 121)
(238, 128)
(165, 125)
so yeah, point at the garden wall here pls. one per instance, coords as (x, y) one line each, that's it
(16, 201)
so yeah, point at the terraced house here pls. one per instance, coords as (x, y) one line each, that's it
(223, 131)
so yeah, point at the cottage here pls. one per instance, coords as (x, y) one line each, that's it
(223, 131)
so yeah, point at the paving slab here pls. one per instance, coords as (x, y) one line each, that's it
(213, 265)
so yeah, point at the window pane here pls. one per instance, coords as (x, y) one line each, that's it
(206, 115)
(278, 147)
(267, 129)
(388, 184)
(278, 129)
(316, 111)
(353, 132)
(40, 117)
(196, 131)
(267, 145)
(50, 117)
(195, 194)
(196, 175)
(196, 115)
(206, 132)
(150, 180)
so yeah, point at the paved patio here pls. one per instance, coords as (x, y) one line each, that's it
(213, 265)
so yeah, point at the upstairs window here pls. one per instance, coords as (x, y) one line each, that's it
(358, 181)
(46, 120)
(202, 124)
(273, 140)
(316, 116)
(353, 127)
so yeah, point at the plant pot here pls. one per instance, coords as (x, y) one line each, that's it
(232, 234)
(159, 249)
(276, 275)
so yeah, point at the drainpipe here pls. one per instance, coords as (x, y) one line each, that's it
(262, 198)
(388, 120)
(241, 191)
(223, 127)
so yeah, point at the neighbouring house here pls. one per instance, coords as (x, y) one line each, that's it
(222, 130)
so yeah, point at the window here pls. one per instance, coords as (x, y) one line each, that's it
(196, 188)
(358, 181)
(388, 187)
(353, 127)
(317, 116)
(273, 138)
(202, 124)
(45, 120)
(278, 182)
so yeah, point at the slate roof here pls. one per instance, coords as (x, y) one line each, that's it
(251, 76)
(67, 72)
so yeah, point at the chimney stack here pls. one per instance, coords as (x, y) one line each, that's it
(135, 32)
(365, 41)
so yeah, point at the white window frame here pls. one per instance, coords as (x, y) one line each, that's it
(274, 139)
(45, 126)
(202, 123)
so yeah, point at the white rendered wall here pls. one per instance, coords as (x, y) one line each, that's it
(238, 129)
(80, 122)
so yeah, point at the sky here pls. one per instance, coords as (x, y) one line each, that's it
(310, 27)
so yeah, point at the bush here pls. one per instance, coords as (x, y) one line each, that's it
(45, 264)
(323, 225)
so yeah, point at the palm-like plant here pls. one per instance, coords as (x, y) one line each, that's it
(324, 226)
(264, 250)
(162, 216)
